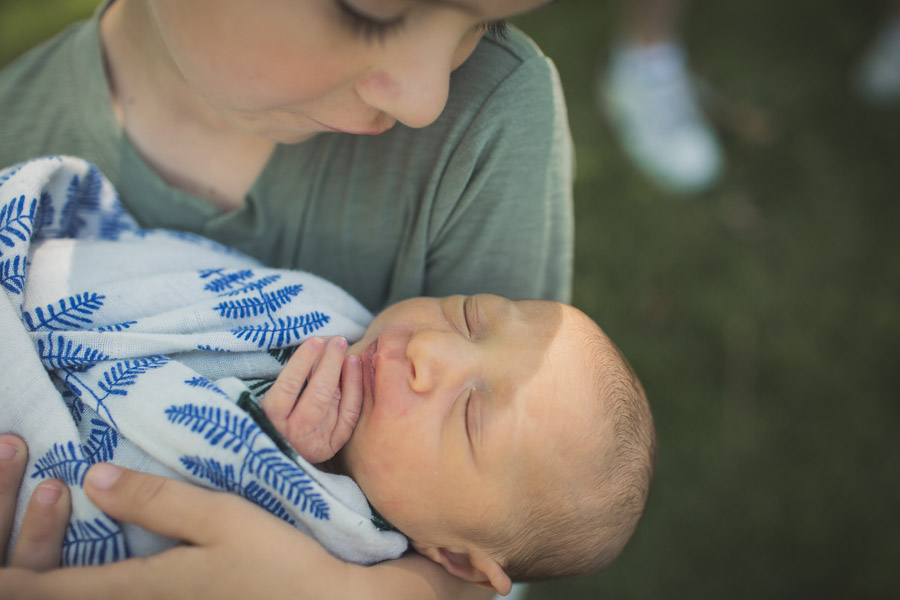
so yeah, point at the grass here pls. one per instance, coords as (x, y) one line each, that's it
(762, 316)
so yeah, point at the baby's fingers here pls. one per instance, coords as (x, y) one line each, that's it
(280, 399)
(351, 402)
(323, 389)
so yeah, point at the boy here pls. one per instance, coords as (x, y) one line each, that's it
(158, 94)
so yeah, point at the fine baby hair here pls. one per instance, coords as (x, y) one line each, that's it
(582, 523)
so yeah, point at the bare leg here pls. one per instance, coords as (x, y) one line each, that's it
(647, 93)
(878, 74)
(648, 22)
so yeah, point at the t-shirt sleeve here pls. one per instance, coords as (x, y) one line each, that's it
(503, 218)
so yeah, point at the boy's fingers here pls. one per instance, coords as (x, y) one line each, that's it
(39, 545)
(13, 457)
(351, 402)
(280, 399)
(165, 506)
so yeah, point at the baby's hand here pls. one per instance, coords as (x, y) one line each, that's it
(318, 421)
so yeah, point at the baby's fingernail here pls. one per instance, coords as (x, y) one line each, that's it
(103, 475)
(8, 451)
(47, 493)
(353, 360)
(342, 342)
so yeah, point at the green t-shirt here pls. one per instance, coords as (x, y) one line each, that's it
(479, 201)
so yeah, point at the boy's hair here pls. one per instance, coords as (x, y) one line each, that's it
(556, 536)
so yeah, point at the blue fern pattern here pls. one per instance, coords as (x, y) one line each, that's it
(75, 405)
(239, 433)
(216, 424)
(219, 475)
(265, 303)
(204, 384)
(99, 541)
(113, 382)
(70, 222)
(289, 480)
(16, 221)
(258, 301)
(124, 374)
(225, 281)
(70, 461)
(269, 501)
(102, 443)
(115, 222)
(63, 461)
(45, 213)
(117, 327)
(81, 195)
(283, 331)
(73, 313)
(12, 274)
(209, 348)
(57, 352)
(253, 286)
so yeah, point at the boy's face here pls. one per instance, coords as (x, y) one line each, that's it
(288, 69)
(470, 404)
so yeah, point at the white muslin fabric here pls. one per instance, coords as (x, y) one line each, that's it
(133, 346)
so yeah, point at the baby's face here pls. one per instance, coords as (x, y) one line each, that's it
(288, 69)
(469, 404)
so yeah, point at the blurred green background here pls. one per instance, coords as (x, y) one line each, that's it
(762, 316)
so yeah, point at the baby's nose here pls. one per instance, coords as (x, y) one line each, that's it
(438, 359)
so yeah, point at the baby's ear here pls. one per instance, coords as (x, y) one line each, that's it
(475, 566)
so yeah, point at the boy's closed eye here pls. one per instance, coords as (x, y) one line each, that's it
(373, 25)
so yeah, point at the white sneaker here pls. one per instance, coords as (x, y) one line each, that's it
(648, 96)
(518, 592)
(878, 74)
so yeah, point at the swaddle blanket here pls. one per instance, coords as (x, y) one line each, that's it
(132, 346)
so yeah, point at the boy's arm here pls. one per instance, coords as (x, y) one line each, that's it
(216, 564)
(315, 401)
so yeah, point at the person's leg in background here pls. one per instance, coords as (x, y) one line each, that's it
(648, 95)
(878, 74)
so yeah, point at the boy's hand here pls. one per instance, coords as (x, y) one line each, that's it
(318, 420)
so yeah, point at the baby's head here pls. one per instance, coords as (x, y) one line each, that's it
(508, 440)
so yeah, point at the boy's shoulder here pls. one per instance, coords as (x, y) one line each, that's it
(515, 43)
(498, 57)
(41, 92)
(502, 69)
(46, 61)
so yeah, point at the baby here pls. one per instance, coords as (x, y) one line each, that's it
(508, 440)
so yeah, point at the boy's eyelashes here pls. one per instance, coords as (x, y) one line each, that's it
(495, 28)
(372, 28)
(368, 27)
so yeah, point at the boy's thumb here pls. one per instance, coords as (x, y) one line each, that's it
(165, 506)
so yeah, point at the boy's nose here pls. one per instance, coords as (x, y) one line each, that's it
(415, 94)
(413, 80)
